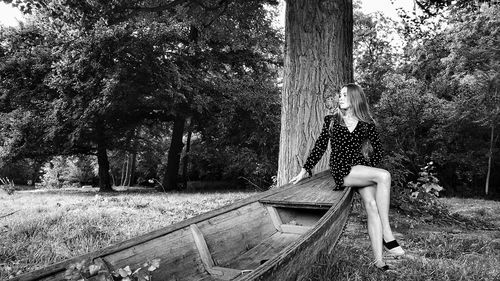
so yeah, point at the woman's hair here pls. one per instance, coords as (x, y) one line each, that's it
(361, 110)
(359, 104)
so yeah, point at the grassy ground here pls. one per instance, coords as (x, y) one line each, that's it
(433, 252)
(51, 226)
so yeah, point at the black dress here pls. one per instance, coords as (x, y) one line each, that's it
(346, 148)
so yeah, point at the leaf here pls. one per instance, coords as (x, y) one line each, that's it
(137, 270)
(414, 195)
(93, 269)
(154, 265)
(124, 272)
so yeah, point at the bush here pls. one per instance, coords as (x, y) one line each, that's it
(63, 171)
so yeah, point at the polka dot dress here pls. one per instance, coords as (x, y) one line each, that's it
(346, 148)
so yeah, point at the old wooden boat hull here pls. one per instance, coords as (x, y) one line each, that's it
(274, 235)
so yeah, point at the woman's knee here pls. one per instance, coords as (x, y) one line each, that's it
(384, 176)
(371, 206)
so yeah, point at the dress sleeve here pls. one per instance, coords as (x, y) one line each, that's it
(319, 146)
(374, 138)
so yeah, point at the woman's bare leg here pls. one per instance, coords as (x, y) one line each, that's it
(374, 224)
(363, 176)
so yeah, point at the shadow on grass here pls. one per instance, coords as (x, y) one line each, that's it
(123, 190)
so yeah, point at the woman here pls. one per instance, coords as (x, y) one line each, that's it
(349, 131)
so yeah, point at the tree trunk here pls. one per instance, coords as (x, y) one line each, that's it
(490, 157)
(124, 171)
(174, 154)
(185, 161)
(318, 54)
(103, 163)
(132, 158)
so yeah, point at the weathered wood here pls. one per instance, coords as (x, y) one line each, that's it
(317, 194)
(233, 233)
(215, 271)
(202, 246)
(179, 257)
(223, 273)
(275, 217)
(264, 251)
(296, 216)
(296, 229)
(291, 263)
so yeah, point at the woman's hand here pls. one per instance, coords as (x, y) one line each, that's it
(299, 177)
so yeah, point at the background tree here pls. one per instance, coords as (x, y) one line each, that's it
(113, 67)
(318, 56)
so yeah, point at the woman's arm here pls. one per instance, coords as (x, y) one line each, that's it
(319, 146)
(374, 138)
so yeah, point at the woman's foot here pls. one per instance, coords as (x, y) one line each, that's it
(393, 248)
(381, 265)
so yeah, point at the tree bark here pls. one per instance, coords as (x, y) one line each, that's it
(132, 158)
(490, 157)
(103, 162)
(318, 54)
(185, 160)
(124, 171)
(174, 154)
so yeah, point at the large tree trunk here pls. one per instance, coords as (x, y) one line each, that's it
(318, 54)
(490, 157)
(185, 160)
(132, 159)
(174, 154)
(103, 163)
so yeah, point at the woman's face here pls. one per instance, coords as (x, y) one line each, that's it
(331, 102)
(344, 102)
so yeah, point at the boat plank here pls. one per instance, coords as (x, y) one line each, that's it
(316, 192)
(202, 247)
(275, 217)
(233, 233)
(265, 250)
(291, 262)
(179, 257)
(297, 229)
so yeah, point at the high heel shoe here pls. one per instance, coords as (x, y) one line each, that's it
(383, 267)
(393, 248)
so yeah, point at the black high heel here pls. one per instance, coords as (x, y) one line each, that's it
(383, 268)
(393, 248)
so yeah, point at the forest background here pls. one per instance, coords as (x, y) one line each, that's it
(106, 96)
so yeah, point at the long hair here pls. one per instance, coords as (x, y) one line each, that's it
(361, 111)
(359, 103)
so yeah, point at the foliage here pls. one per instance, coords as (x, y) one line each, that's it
(7, 185)
(411, 120)
(84, 269)
(376, 52)
(420, 201)
(426, 183)
(23, 171)
(92, 73)
(63, 171)
(240, 136)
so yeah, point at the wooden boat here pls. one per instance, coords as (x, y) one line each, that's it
(274, 235)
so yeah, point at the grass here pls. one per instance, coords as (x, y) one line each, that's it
(433, 252)
(50, 226)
